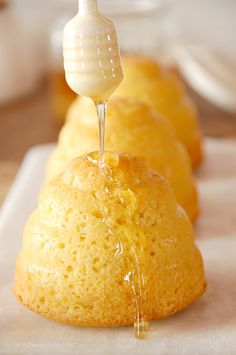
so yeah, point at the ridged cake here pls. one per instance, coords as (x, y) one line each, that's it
(131, 126)
(103, 241)
(146, 80)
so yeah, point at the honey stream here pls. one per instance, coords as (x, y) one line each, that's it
(101, 107)
(129, 247)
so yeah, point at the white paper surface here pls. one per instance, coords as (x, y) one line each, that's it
(206, 328)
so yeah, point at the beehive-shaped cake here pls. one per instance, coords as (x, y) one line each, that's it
(104, 245)
(131, 126)
(146, 80)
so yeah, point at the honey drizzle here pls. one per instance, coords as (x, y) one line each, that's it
(132, 252)
(136, 280)
(135, 257)
(141, 326)
(101, 107)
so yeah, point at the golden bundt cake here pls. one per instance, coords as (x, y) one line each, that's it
(102, 240)
(146, 80)
(131, 126)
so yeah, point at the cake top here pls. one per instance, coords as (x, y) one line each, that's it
(148, 66)
(145, 76)
(121, 111)
(125, 190)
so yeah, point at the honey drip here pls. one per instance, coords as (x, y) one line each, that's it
(136, 280)
(137, 283)
(129, 248)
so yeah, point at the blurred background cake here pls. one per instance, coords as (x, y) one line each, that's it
(131, 126)
(147, 80)
(96, 235)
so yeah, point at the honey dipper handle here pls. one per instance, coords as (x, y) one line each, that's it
(87, 6)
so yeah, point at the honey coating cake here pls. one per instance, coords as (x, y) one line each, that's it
(145, 79)
(131, 126)
(95, 234)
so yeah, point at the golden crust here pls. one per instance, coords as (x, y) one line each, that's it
(146, 80)
(112, 322)
(131, 126)
(68, 269)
